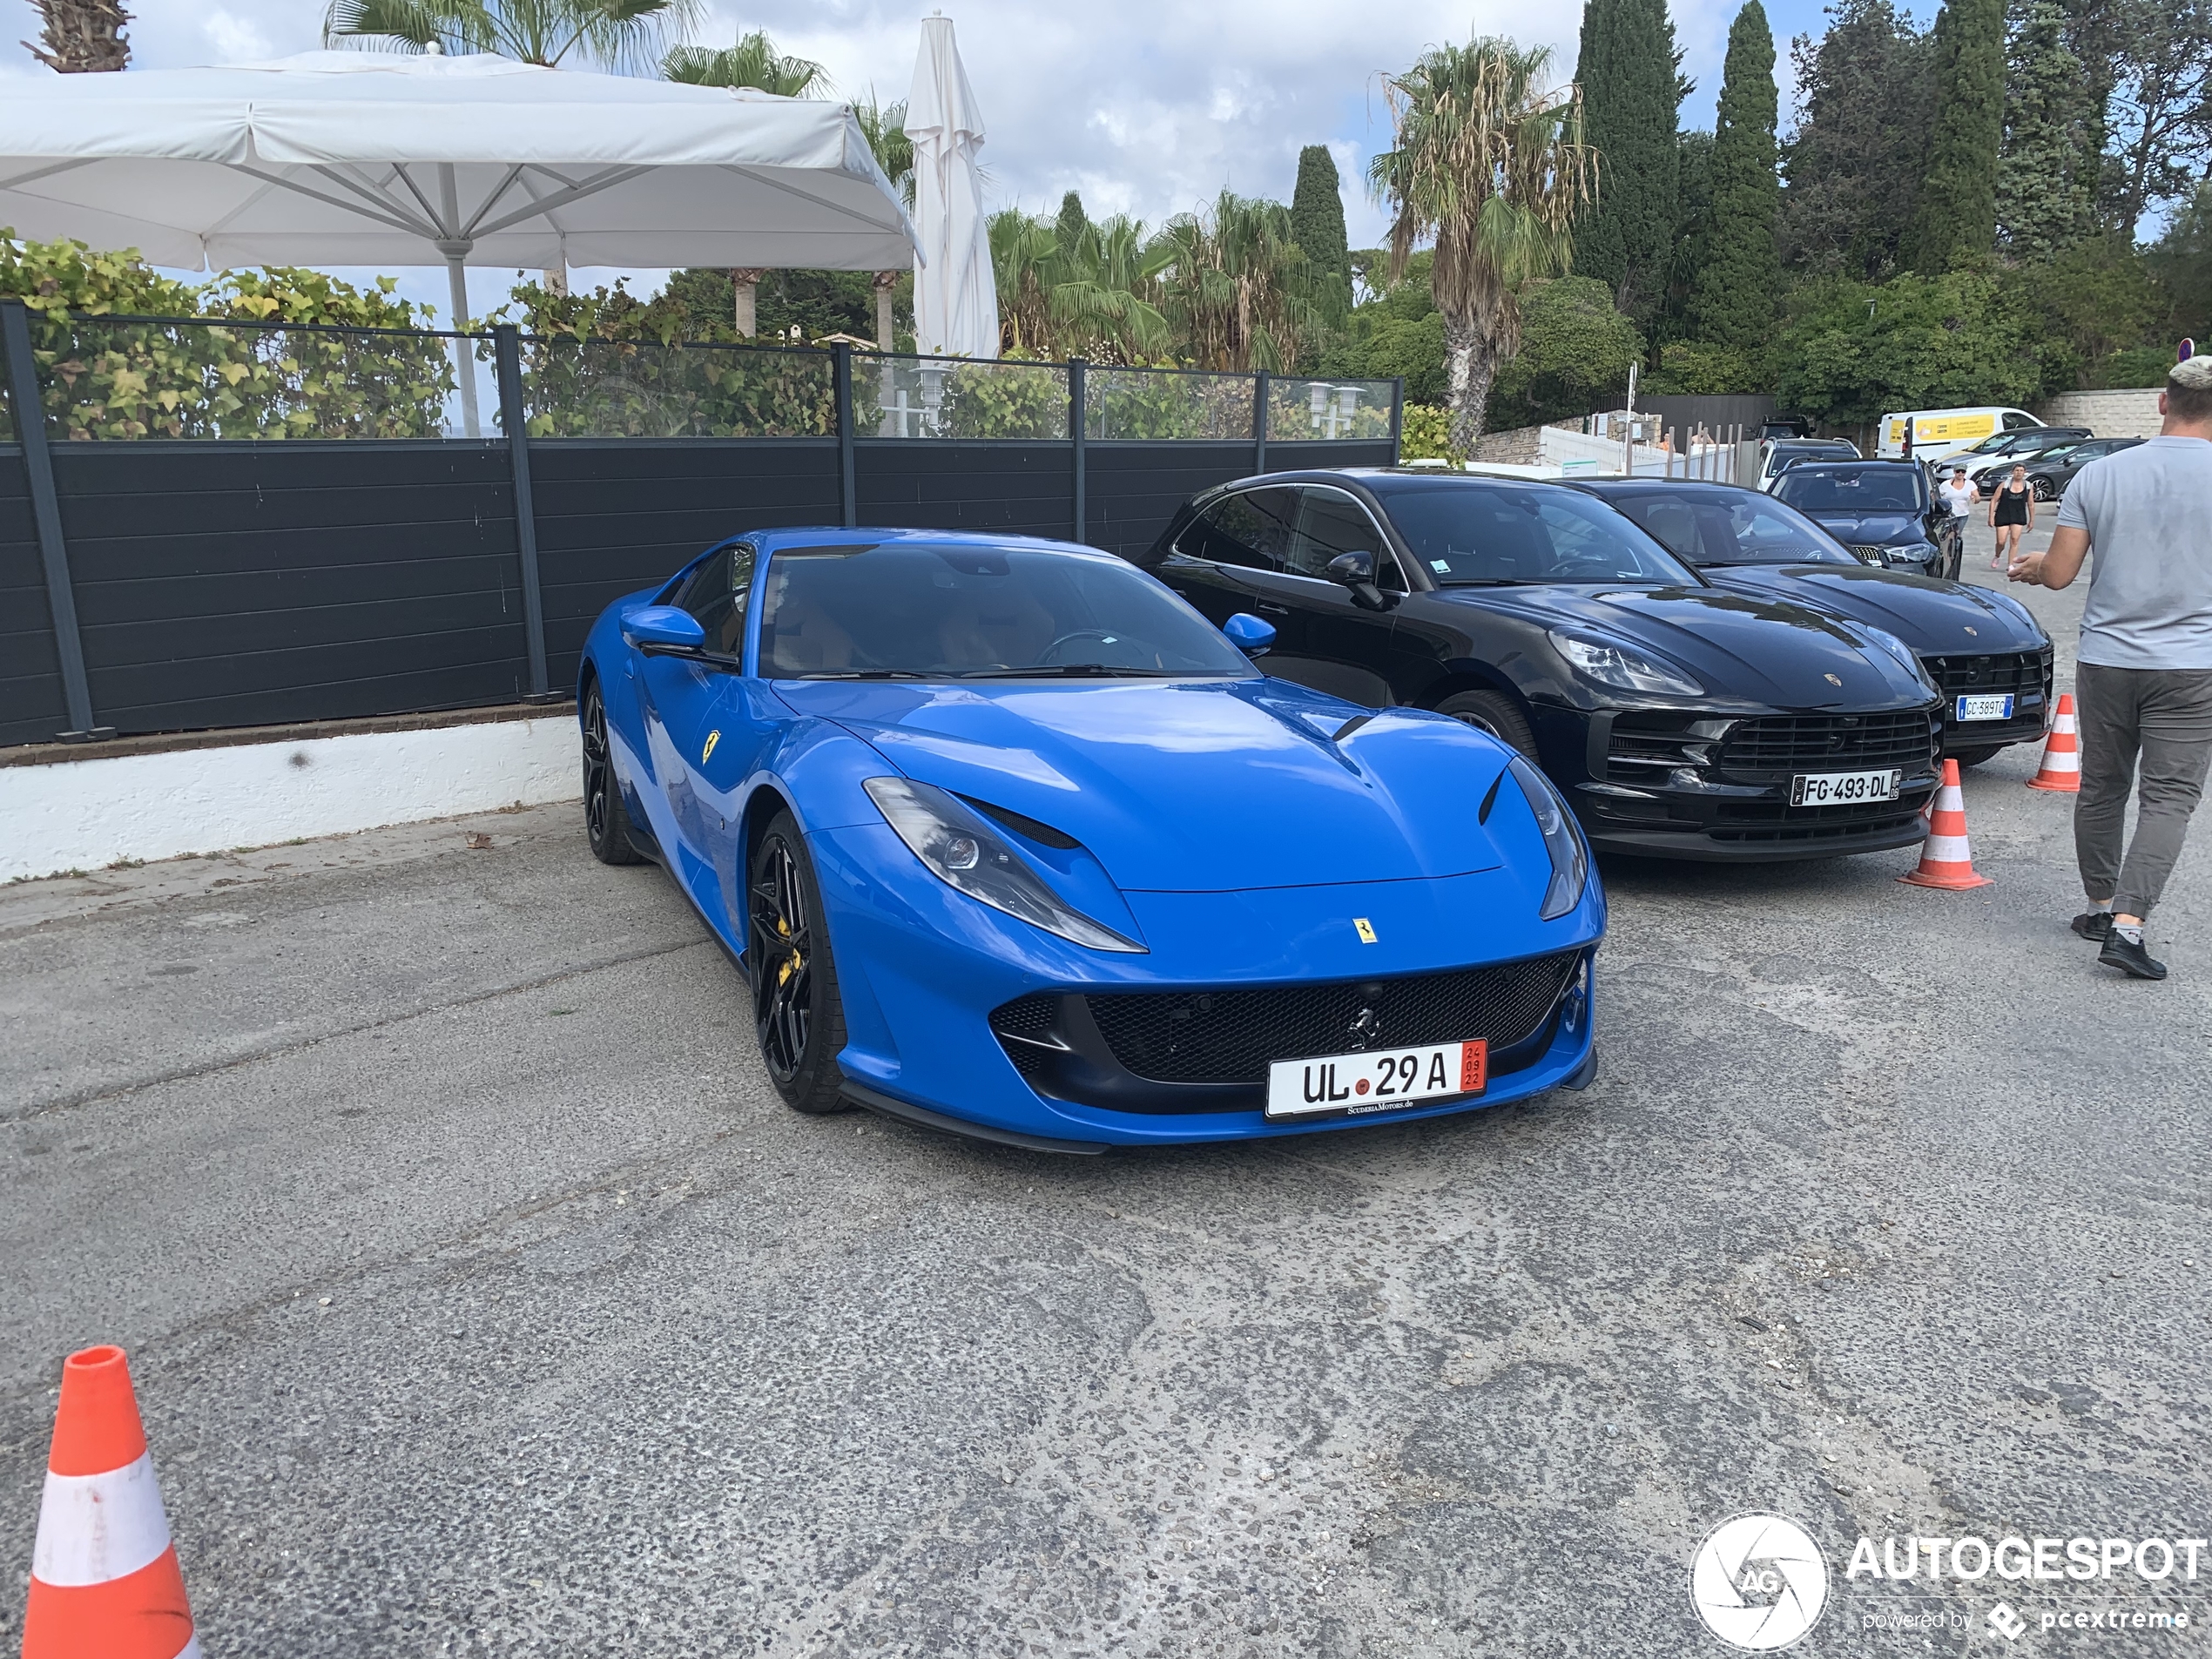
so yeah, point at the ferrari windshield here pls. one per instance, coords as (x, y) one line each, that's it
(1729, 527)
(944, 611)
(1483, 534)
(1854, 489)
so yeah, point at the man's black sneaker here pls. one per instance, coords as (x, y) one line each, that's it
(2130, 958)
(2094, 925)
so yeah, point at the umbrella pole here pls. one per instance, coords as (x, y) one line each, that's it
(463, 362)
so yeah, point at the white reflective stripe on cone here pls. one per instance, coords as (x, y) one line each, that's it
(95, 1528)
(1944, 849)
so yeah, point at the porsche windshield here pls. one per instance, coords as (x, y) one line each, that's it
(1729, 527)
(930, 611)
(1471, 535)
(1854, 489)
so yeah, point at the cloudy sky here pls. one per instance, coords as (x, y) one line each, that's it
(1147, 107)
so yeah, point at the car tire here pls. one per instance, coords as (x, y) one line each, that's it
(1495, 713)
(606, 820)
(2044, 489)
(797, 1017)
(1974, 757)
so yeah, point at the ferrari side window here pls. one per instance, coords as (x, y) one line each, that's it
(717, 596)
(1252, 528)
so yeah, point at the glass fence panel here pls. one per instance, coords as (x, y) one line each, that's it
(1307, 409)
(956, 397)
(1164, 404)
(108, 378)
(622, 388)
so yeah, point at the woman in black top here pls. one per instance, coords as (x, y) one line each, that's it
(2012, 514)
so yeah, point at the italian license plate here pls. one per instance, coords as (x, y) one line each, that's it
(1843, 788)
(1985, 708)
(1354, 1083)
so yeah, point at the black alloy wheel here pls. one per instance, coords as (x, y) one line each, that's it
(1495, 713)
(797, 1014)
(606, 820)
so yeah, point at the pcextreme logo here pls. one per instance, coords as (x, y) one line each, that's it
(1758, 1582)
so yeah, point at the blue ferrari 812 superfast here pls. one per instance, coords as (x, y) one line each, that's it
(1007, 839)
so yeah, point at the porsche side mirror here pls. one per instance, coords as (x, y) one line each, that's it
(1356, 571)
(664, 630)
(1248, 634)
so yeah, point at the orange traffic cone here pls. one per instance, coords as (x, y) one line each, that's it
(1945, 861)
(103, 1574)
(2061, 768)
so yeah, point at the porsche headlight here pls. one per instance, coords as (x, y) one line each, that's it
(963, 850)
(1906, 660)
(1570, 863)
(1615, 665)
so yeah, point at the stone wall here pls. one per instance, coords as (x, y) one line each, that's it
(2131, 414)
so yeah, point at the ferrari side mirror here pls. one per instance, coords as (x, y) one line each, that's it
(664, 629)
(1248, 634)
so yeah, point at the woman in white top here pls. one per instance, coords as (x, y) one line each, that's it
(1959, 498)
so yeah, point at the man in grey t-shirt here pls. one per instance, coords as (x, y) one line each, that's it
(2144, 674)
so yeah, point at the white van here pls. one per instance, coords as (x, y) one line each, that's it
(1939, 433)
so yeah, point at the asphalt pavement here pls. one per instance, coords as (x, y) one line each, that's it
(484, 1299)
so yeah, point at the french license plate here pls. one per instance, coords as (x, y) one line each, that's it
(1355, 1083)
(1843, 788)
(1985, 708)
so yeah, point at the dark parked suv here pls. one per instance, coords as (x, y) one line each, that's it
(1883, 511)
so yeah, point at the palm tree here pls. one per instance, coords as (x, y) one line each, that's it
(1236, 287)
(82, 37)
(1492, 166)
(1103, 280)
(618, 34)
(1021, 250)
(753, 62)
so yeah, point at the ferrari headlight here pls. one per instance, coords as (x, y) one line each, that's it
(964, 851)
(1617, 666)
(1570, 863)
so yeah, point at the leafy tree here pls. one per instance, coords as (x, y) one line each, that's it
(2180, 263)
(1856, 351)
(1068, 228)
(1853, 165)
(1576, 349)
(2093, 302)
(1693, 231)
(1732, 302)
(82, 37)
(2161, 111)
(1094, 295)
(620, 34)
(2047, 174)
(884, 125)
(1630, 101)
(1236, 287)
(1489, 165)
(1317, 225)
(1956, 218)
(1696, 368)
(753, 62)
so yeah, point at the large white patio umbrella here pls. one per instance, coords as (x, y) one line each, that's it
(956, 300)
(384, 159)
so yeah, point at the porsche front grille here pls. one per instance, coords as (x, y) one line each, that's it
(1760, 751)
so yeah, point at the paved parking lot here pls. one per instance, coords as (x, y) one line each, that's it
(484, 1299)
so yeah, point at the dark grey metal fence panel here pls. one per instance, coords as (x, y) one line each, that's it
(32, 707)
(616, 514)
(246, 584)
(1016, 487)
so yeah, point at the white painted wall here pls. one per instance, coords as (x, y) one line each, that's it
(82, 814)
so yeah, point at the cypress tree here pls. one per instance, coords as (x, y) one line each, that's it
(1072, 223)
(1317, 225)
(1852, 171)
(1957, 214)
(1630, 102)
(2047, 175)
(1732, 301)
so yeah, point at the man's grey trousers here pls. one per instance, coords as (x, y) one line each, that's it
(2163, 717)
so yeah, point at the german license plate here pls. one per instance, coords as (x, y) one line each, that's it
(1843, 788)
(1353, 1083)
(1985, 708)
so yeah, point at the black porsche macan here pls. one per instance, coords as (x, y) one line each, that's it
(1683, 719)
(1984, 650)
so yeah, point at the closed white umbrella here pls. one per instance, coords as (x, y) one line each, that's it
(956, 301)
(384, 159)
